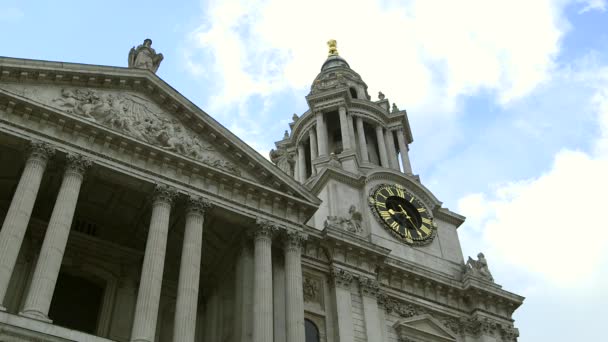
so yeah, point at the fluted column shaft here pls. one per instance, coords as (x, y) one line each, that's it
(148, 296)
(314, 149)
(362, 141)
(189, 272)
(405, 157)
(43, 282)
(20, 211)
(262, 287)
(381, 146)
(390, 149)
(301, 163)
(321, 134)
(293, 287)
(346, 143)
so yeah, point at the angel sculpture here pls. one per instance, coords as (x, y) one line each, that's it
(144, 57)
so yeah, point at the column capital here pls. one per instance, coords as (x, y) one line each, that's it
(40, 150)
(341, 278)
(164, 193)
(78, 163)
(294, 240)
(265, 228)
(369, 287)
(197, 205)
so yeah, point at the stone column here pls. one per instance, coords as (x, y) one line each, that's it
(148, 296)
(351, 131)
(362, 141)
(321, 134)
(189, 271)
(262, 286)
(314, 149)
(369, 297)
(293, 287)
(381, 146)
(301, 162)
(244, 293)
(390, 149)
(404, 149)
(43, 282)
(124, 306)
(20, 211)
(341, 281)
(346, 143)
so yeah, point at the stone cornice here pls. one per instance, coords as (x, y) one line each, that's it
(334, 173)
(412, 183)
(20, 70)
(449, 216)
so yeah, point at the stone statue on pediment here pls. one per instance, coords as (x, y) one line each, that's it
(283, 160)
(144, 57)
(351, 223)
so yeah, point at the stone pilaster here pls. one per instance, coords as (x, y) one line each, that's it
(404, 150)
(148, 296)
(321, 134)
(342, 280)
(20, 211)
(43, 282)
(262, 287)
(382, 146)
(346, 143)
(369, 297)
(190, 270)
(244, 293)
(294, 294)
(301, 163)
(362, 141)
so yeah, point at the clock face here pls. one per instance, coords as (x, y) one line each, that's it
(402, 214)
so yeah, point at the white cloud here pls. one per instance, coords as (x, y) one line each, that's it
(422, 53)
(552, 225)
(593, 5)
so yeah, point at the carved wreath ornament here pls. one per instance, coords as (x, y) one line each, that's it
(131, 114)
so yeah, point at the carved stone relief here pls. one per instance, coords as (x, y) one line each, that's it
(283, 159)
(351, 223)
(312, 288)
(131, 114)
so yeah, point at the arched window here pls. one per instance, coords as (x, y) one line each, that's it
(311, 331)
(353, 93)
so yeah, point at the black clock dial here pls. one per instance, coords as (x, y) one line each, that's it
(402, 214)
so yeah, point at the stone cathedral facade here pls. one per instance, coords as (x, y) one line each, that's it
(130, 214)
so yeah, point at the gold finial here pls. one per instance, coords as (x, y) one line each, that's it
(333, 47)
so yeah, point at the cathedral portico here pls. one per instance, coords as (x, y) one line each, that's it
(131, 215)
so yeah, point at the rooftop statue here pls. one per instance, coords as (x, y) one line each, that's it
(144, 57)
(478, 267)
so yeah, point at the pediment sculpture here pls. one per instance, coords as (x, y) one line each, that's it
(351, 223)
(478, 268)
(145, 57)
(134, 115)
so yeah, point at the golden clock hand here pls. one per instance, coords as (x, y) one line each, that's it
(408, 217)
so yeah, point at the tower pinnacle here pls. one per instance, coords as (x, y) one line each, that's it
(333, 47)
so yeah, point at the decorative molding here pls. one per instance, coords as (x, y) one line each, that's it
(164, 193)
(40, 150)
(265, 228)
(341, 278)
(77, 163)
(368, 286)
(197, 205)
(294, 240)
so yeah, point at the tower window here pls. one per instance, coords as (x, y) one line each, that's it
(353, 93)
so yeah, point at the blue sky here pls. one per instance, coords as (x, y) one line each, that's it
(508, 102)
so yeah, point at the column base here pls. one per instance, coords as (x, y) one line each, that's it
(2, 308)
(39, 316)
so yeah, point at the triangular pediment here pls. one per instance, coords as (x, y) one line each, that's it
(423, 328)
(139, 105)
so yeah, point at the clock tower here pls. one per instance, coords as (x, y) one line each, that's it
(379, 224)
